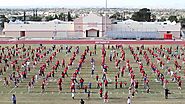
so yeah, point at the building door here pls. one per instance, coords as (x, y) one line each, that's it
(98, 33)
(92, 33)
(22, 34)
(86, 33)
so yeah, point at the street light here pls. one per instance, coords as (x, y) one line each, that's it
(105, 17)
(105, 35)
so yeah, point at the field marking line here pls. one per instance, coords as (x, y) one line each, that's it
(12, 90)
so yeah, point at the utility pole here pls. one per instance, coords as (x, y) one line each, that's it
(105, 18)
(24, 16)
(105, 35)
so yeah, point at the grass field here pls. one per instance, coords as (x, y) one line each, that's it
(116, 96)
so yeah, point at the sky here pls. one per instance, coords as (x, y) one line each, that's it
(176, 4)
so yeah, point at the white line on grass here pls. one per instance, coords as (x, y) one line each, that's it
(12, 90)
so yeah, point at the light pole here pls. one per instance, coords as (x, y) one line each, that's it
(105, 17)
(106, 4)
(105, 35)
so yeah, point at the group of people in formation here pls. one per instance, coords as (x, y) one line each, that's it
(156, 58)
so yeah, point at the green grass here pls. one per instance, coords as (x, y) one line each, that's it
(116, 96)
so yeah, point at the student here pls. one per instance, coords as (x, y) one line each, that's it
(6, 83)
(81, 82)
(29, 87)
(92, 71)
(97, 77)
(133, 93)
(121, 84)
(179, 84)
(63, 63)
(13, 99)
(82, 101)
(88, 94)
(106, 83)
(122, 71)
(128, 100)
(166, 92)
(85, 89)
(106, 97)
(73, 95)
(65, 71)
(72, 86)
(43, 87)
(101, 92)
(116, 85)
(136, 85)
(89, 85)
(60, 85)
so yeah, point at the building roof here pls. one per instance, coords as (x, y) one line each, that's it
(56, 21)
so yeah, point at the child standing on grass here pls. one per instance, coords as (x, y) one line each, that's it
(43, 87)
(121, 84)
(81, 82)
(89, 85)
(166, 92)
(29, 87)
(106, 97)
(128, 100)
(13, 99)
(88, 94)
(73, 95)
(82, 101)
(92, 71)
(101, 92)
(179, 84)
(85, 89)
(97, 77)
(6, 83)
(59, 85)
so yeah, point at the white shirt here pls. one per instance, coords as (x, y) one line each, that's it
(73, 95)
(129, 101)
(27, 63)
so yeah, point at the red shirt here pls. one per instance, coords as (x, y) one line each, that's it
(121, 83)
(81, 80)
(101, 91)
(106, 82)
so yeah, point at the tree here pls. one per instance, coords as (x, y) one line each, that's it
(62, 16)
(3, 19)
(162, 19)
(49, 18)
(182, 21)
(76, 16)
(142, 15)
(20, 18)
(56, 16)
(69, 16)
(173, 18)
(35, 18)
(153, 18)
(117, 16)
